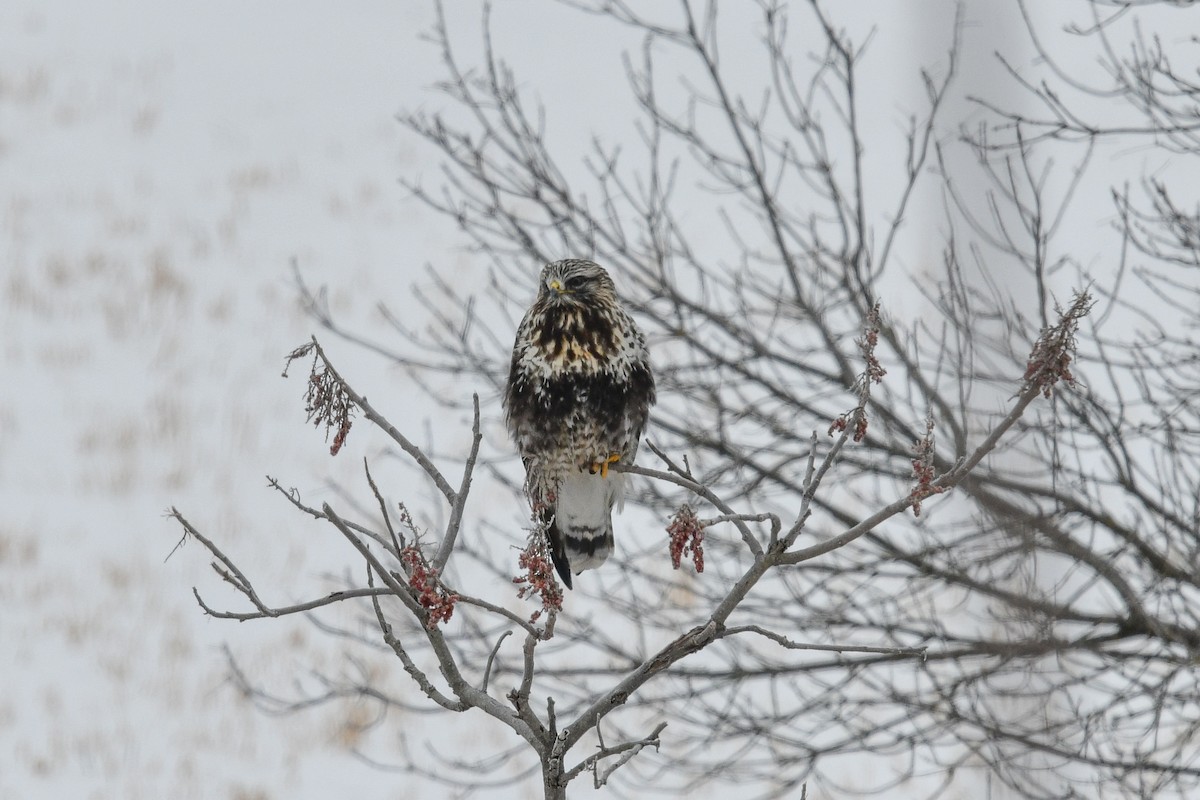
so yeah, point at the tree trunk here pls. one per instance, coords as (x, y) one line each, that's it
(552, 783)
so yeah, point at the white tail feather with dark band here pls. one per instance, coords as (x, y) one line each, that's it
(583, 516)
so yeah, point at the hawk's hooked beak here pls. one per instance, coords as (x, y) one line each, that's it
(557, 290)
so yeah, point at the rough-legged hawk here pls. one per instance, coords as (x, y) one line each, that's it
(579, 393)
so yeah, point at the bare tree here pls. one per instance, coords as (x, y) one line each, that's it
(1035, 629)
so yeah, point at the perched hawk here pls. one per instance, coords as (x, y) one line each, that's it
(579, 392)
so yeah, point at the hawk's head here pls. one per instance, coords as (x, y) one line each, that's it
(575, 283)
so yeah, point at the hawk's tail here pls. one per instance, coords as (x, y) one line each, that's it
(577, 549)
(558, 553)
(580, 530)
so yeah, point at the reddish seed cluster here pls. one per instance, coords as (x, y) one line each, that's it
(1050, 360)
(867, 344)
(424, 581)
(858, 416)
(539, 575)
(686, 534)
(325, 401)
(860, 425)
(340, 437)
(874, 372)
(1048, 364)
(922, 469)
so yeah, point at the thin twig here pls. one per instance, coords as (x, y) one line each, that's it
(460, 497)
(487, 670)
(783, 641)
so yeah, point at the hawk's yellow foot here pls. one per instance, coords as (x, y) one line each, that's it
(602, 466)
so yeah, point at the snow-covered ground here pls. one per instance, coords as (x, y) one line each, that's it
(160, 167)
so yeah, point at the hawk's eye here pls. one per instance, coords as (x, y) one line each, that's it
(575, 283)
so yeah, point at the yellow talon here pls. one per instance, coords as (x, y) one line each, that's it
(602, 466)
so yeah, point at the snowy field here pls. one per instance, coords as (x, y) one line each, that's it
(161, 165)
